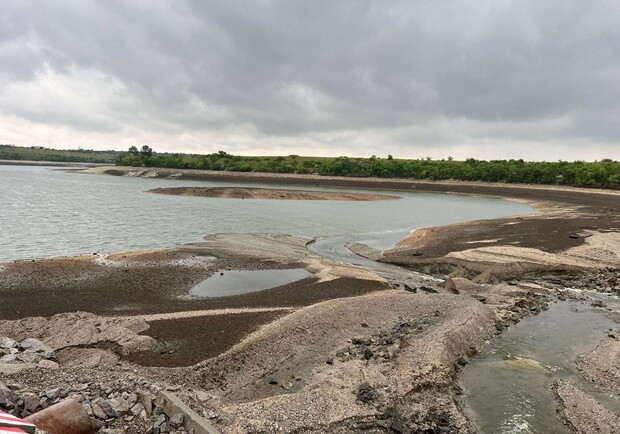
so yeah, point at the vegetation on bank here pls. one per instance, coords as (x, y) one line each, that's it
(40, 153)
(602, 174)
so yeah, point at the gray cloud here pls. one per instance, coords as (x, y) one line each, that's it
(465, 77)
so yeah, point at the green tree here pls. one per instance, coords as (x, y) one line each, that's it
(146, 151)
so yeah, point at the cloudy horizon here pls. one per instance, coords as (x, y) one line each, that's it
(483, 79)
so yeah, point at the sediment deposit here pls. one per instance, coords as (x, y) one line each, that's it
(268, 193)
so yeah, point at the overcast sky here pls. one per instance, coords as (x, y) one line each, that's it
(412, 78)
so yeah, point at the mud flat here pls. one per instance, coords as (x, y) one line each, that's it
(268, 193)
(345, 350)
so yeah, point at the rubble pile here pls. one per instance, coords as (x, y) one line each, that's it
(28, 351)
(127, 406)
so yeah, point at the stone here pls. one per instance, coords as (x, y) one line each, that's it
(160, 419)
(98, 411)
(53, 393)
(119, 406)
(7, 397)
(48, 364)
(136, 409)
(9, 358)
(176, 420)
(29, 357)
(31, 403)
(366, 393)
(36, 346)
(7, 343)
(146, 400)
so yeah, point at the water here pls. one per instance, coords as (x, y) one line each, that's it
(245, 281)
(47, 213)
(508, 385)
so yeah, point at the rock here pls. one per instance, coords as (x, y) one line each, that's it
(397, 424)
(146, 400)
(53, 393)
(98, 411)
(119, 406)
(136, 409)
(106, 406)
(7, 342)
(29, 357)
(7, 397)
(160, 420)
(31, 403)
(9, 358)
(176, 420)
(366, 393)
(48, 364)
(86, 357)
(32, 345)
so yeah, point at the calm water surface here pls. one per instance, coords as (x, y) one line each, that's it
(46, 212)
(234, 282)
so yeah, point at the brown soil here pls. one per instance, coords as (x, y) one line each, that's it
(82, 284)
(268, 193)
(187, 341)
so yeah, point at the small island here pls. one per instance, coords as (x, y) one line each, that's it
(269, 193)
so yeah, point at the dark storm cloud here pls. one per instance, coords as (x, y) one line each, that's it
(354, 76)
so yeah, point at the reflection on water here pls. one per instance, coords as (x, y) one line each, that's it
(508, 385)
(50, 213)
(236, 282)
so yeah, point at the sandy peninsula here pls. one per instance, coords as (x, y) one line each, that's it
(268, 193)
(346, 350)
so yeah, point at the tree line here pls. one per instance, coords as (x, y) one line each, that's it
(600, 174)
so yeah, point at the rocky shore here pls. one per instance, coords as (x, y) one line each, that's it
(346, 350)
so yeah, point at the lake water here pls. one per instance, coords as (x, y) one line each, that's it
(235, 282)
(46, 212)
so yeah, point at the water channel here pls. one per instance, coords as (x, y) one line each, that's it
(508, 385)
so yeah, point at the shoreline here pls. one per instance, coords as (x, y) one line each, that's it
(75, 164)
(268, 193)
(344, 336)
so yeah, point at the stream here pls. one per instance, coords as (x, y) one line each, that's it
(507, 387)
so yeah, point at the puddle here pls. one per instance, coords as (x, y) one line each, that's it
(507, 387)
(237, 282)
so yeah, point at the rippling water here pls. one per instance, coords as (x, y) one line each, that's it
(508, 385)
(45, 212)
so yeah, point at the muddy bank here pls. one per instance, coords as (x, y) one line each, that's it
(572, 237)
(268, 193)
(160, 281)
(151, 291)
(582, 413)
